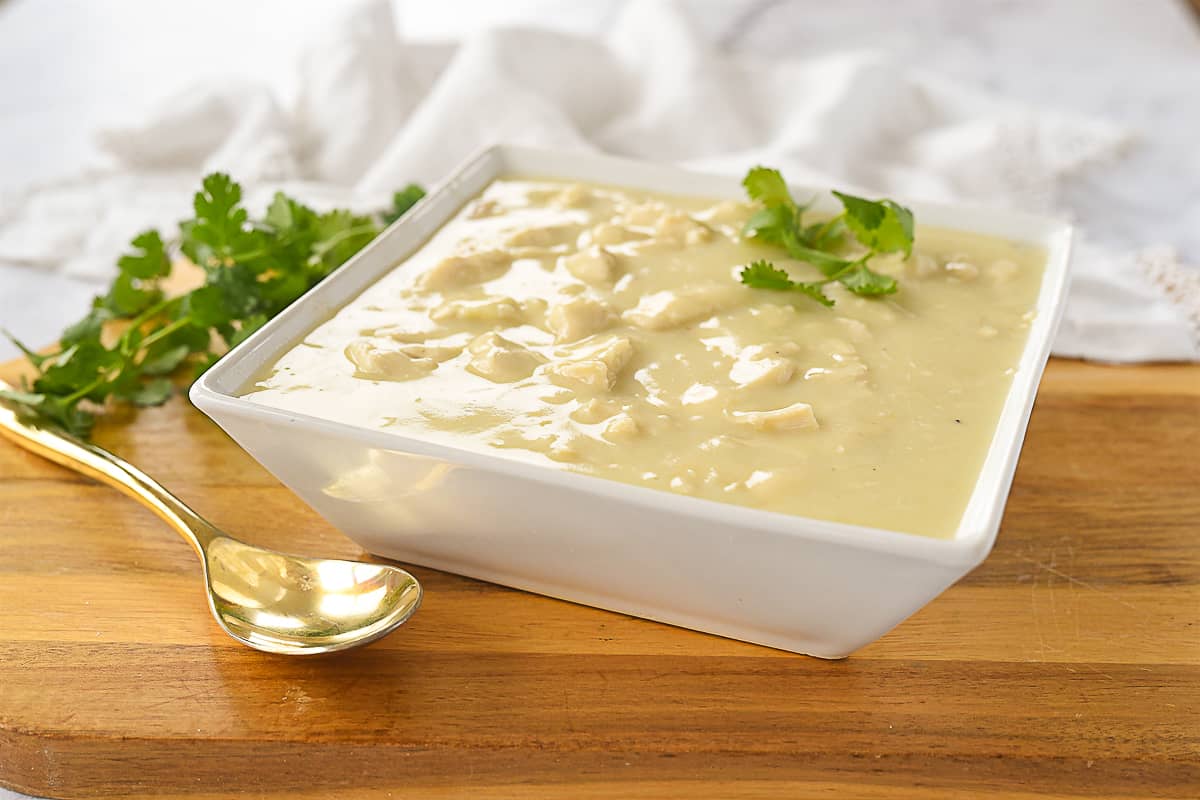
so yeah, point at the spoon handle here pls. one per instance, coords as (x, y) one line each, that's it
(86, 458)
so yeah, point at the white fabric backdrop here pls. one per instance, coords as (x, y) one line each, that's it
(372, 113)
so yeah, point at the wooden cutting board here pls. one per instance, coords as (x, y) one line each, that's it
(1068, 665)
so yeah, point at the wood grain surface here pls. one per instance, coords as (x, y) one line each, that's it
(1068, 665)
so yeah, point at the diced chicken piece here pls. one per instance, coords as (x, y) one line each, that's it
(595, 410)
(679, 228)
(728, 212)
(624, 284)
(397, 334)
(780, 316)
(925, 266)
(565, 447)
(483, 208)
(847, 365)
(758, 478)
(963, 270)
(698, 393)
(595, 366)
(465, 270)
(846, 370)
(797, 416)
(555, 396)
(670, 309)
(594, 375)
(768, 485)
(501, 360)
(762, 371)
(1002, 270)
(621, 428)
(722, 444)
(874, 310)
(684, 484)
(376, 363)
(594, 265)
(548, 236)
(855, 329)
(573, 196)
(492, 309)
(840, 349)
(578, 317)
(644, 215)
(607, 233)
(438, 352)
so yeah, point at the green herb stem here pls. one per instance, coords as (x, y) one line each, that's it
(163, 333)
(882, 226)
(253, 269)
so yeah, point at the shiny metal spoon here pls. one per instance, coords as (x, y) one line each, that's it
(267, 600)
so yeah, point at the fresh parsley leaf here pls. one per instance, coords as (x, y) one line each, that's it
(23, 398)
(62, 412)
(340, 235)
(402, 201)
(219, 231)
(765, 275)
(293, 228)
(767, 186)
(165, 362)
(149, 259)
(81, 367)
(87, 328)
(203, 363)
(152, 393)
(206, 307)
(825, 235)
(247, 327)
(253, 270)
(862, 280)
(126, 297)
(829, 265)
(35, 358)
(882, 225)
(771, 225)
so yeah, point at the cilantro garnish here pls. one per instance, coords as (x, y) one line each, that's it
(882, 226)
(765, 275)
(253, 270)
(402, 201)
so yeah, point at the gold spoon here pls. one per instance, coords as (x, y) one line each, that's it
(267, 600)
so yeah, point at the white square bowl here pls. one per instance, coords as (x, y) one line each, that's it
(805, 585)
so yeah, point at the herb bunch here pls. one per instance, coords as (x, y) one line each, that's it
(881, 226)
(253, 269)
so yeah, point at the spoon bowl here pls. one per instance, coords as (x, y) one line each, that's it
(267, 600)
(288, 604)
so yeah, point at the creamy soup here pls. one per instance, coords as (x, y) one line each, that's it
(604, 331)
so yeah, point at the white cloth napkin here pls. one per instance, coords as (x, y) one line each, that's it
(374, 113)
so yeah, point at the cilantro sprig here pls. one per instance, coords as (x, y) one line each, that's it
(253, 269)
(881, 226)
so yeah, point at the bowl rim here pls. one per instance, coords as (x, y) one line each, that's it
(972, 540)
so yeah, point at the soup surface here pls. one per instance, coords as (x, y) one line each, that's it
(604, 330)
